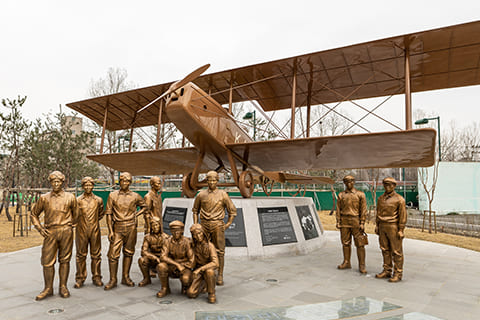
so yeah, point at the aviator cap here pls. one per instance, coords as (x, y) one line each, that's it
(176, 225)
(389, 180)
(348, 178)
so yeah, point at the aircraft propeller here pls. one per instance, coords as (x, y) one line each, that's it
(178, 84)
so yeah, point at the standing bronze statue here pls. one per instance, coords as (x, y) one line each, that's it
(206, 262)
(177, 259)
(351, 215)
(390, 224)
(153, 200)
(90, 212)
(151, 250)
(121, 215)
(59, 208)
(209, 207)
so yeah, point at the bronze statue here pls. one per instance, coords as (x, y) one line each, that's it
(59, 208)
(151, 250)
(351, 215)
(153, 200)
(121, 215)
(90, 212)
(206, 261)
(177, 259)
(210, 207)
(390, 224)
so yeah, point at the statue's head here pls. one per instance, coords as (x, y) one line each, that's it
(56, 179)
(176, 228)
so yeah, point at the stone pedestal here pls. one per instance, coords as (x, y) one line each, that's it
(264, 227)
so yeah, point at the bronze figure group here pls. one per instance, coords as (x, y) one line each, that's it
(390, 221)
(196, 262)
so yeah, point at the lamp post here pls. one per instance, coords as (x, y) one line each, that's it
(252, 115)
(425, 121)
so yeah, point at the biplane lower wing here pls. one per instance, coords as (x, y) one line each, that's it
(398, 149)
(154, 162)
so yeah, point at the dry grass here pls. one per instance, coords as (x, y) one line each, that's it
(471, 243)
(8, 243)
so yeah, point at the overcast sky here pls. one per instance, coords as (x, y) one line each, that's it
(51, 50)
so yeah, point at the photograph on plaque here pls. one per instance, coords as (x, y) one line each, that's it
(235, 234)
(306, 221)
(171, 214)
(276, 226)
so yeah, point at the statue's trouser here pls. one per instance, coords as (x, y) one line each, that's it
(215, 230)
(124, 235)
(85, 237)
(165, 271)
(207, 278)
(146, 264)
(391, 246)
(59, 240)
(352, 229)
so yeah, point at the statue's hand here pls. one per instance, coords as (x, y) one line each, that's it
(376, 230)
(362, 228)
(338, 225)
(400, 234)
(196, 272)
(110, 237)
(180, 268)
(44, 232)
(227, 225)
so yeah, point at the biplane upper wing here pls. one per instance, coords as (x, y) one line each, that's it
(399, 149)
(154, 162)
(439, 58)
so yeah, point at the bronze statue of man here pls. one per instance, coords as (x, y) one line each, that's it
(351, 215)
(121, 214)
(153, 200)
(206, 262)
(90, 212)
(151, 250)
(390, 224)
(209, 208)
(60, 209)
(177, 259)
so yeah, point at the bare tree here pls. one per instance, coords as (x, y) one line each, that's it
(114, 82)
(429, 183)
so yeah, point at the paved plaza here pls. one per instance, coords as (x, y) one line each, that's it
(440, 282)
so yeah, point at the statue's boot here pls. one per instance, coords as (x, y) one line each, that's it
(221, 262)
(384, 274)
(113, 266)
(79, 277)
(146, 274)
(346, 258)
(396, 277)
(210, 281)
(48, 273)
(127, 262)
(63, 271)
(96, 273)
(165, 286)
(361, 260)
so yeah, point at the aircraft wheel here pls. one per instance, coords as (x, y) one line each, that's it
(187, 190)
(267, 185)
(245, 184)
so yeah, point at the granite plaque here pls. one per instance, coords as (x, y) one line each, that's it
(276, 226)
(171, 214)
(306, 221)
(339, 309)
(235, 234)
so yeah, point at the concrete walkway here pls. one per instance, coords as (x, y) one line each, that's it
(439, 280)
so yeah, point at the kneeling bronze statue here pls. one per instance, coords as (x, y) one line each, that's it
(206, 262)
(177, 259)
(151, 250)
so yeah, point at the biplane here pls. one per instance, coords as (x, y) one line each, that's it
(435, 59)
